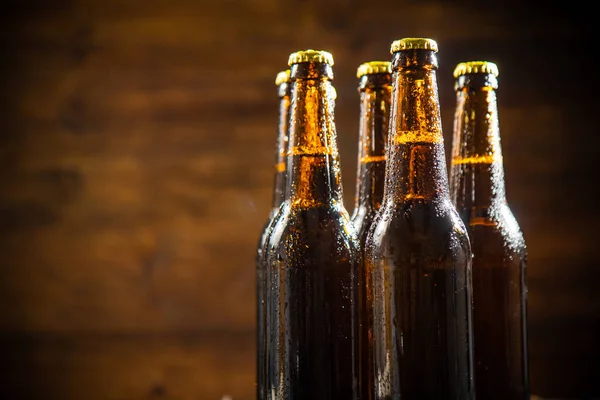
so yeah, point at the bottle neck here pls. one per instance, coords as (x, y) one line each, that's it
(477, 172)
(282, 145)
(416, 166)
(375, 95)
(313, 158)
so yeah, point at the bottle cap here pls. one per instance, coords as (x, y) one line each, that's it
(310, 56)
(374, 67)
(476, 67)
(282, 77)
(414, 44)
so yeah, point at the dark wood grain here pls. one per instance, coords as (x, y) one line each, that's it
(134, 366)
(136, 168)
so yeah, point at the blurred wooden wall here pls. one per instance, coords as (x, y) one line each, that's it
(136, 168)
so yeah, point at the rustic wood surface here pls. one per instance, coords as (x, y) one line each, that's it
(136, 168)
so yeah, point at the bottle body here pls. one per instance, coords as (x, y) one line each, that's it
(419, 260)
(312, 255)
(363, 215)
(311, 305)
(499, 308)
(284, 92)
(499, 250)
(375, 91)
(418, 253)
(375, 85)
(261, 281)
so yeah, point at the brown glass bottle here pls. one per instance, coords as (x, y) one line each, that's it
(313, 252)
(284, 92)
(499, 251)
(417, 251)
(375, 89)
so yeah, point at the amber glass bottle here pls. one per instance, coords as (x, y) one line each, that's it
(417, 250)
(499, 251)
(375, 89)
(284, 88)
(313, 252)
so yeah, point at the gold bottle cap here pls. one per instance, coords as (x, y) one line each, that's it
(476, 67)
(414, 44)
(374, 67)
(310, 56)
(282, 77)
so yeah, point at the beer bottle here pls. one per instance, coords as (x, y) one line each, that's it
(284, 92)
(313, 252)
(375, 89)
(499, 251)
(417, 251)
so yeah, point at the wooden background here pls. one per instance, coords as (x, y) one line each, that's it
(136, 167)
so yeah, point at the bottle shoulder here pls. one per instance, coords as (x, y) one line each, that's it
(362, 219)
(499, 235)
(314, 225)
(265, 233)
(266, 228)
(434, 228)
(419, 213)
(495, 221)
